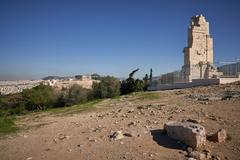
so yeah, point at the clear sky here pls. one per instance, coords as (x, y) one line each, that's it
(109, 37)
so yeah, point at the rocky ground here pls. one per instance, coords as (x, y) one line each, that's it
(130, 127)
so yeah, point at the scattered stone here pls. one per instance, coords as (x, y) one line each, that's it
(80, 145)
(204, 102)
(179, 92)
(29, 158)
(219, 136)
(227, 95)
(131, 111)
(170, 118)
(25, 136)
(191, 134)
(214, 98)
(215, 157)
(183, 152)
(97, 129)
(124, 157)
(140, 107)
(55, 140)
(92, 140)
(63, 136)
(117, 135)
(207, 153)
(131, 124)
(189, 149)
(197, 155)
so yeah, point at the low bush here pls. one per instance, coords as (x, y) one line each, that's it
(107, 88)
(76, 95)
(39, 97)
(42, 97)
(7, 125)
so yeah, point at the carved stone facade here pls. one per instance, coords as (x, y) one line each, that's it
(198, 55)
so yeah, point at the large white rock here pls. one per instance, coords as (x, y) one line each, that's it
(191, 134)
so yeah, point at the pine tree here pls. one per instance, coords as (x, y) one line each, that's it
(150, 77)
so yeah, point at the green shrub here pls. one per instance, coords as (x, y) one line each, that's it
(19, 109)
(7, 125)
(10, 101)
(62, 99)
(39, 97)
(76, 94)
(107, 88)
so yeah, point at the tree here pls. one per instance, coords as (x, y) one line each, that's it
(146, 82)
(95, 76)
(39, 97)
(133, 72)
(139, 85)
(107, 88)
(150, 78)
(131, 85)
(77, 94)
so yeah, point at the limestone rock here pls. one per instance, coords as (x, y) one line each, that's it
(197, 155)
(63, 136)
(219, 136)
(191, 134)
(117, 135)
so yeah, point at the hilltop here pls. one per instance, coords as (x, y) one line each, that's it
(84, 131)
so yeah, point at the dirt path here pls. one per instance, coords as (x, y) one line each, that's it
(86, 135)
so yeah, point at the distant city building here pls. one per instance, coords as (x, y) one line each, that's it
(83, 77)
(11, 87)
(84, 81)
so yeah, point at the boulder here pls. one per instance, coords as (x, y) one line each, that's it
(191, 134)
(219, 136)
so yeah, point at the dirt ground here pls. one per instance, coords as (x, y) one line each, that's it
(86, 135)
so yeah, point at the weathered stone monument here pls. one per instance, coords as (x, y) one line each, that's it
(198, 68)
(198, 55)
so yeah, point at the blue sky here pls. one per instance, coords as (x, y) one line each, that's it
(109, 37)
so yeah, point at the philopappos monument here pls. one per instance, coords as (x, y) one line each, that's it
(198, 68)
(198, 55)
